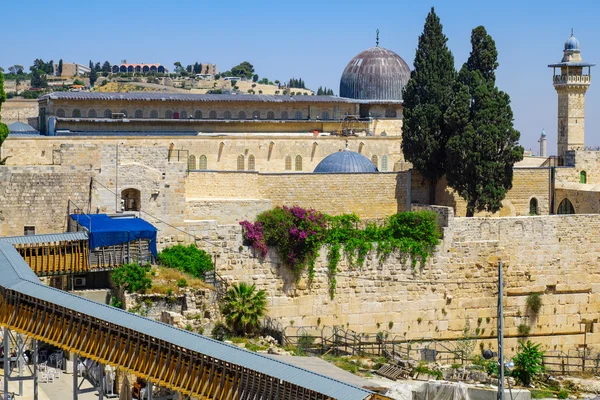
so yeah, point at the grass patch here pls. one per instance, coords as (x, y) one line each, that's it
(344, 363)
(169, 280)
(541, 394)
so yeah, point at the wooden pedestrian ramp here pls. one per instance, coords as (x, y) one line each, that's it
(172, 358)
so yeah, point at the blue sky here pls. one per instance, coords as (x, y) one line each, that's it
(314, 40)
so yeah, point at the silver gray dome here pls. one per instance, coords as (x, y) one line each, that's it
(375, 74)
(345, 161)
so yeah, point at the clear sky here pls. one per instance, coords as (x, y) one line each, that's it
(314, 40)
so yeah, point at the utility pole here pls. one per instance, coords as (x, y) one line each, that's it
(500, 335)
(117, 180)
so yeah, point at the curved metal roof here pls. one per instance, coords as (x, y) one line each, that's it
(21, 127)
(345, 161)
(572, 43)
(375, 74)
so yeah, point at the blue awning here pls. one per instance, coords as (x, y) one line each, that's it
(108, 231)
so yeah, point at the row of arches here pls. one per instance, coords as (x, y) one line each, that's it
(383, 167)
(198, 114)
(138, 68)
(202, 163)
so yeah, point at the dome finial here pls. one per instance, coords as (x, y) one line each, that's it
(571, 31)
(377, 40)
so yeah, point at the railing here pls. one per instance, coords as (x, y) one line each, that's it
(178, 155)
(579, 361)
(585, 79)
(220, 284)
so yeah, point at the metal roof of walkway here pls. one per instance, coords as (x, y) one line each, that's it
(186, 362)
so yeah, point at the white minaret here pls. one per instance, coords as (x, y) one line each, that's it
(542, 143)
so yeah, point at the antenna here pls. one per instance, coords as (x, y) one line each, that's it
(377, 40)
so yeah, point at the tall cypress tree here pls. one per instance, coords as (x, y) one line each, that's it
(427, 96)
(485, 145)
(3, 127)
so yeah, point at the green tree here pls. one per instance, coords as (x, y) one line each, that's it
(3, 127)
(255, 78)
(243, 307)
(132, 278)
(427, 96)
(38, 78)
(106, 66)
(244, 70)
(2, 92)
(178, 67)
(93, 76)
(484, 145)
(189, 259)
(528, 362)
(60, 67)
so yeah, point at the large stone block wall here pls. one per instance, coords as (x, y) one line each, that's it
(221, 152)
(39, 197)
(556, 256)
(368, 195)
(528, 183)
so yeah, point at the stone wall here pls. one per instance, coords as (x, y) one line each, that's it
(528, 183)
(15, 110)
(556, 256)
(39, 197)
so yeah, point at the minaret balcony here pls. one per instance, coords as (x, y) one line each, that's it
(576, 79)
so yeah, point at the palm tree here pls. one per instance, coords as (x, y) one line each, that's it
(243, 306)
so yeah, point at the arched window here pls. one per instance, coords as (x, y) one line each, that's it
(92, 113)
(138, 114)
(168, 114)
(242, 115)
(533, 206)
(582, 177)
(375, 160)
(202, 162)
(251, 162)
(192, 163)
(298, 115)
(325, 115)
(227, 114)
(212, 115)
(298, 163)
(255, 114)
(285, 115)
(108, 113)
(288, 163)
(270, 115)
(176, 115)
(360, 147)
(197, 114)
(154, 114)
(131, 199)
(76, 113)
(566, 207)
(183, 114)
(60, 113)
(384, 166)
(123, 112)
(240, 163)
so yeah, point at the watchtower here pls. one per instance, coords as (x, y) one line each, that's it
(571, 82)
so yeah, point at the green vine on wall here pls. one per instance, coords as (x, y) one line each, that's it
(298, 234)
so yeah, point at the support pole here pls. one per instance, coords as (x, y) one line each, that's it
(6, 362)
(75, 375)
(149, 386)
(19, 362)
(500, 335)
(101, 382)
(35, 369)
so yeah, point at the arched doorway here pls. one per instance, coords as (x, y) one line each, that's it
(131, 199)
(566, 207)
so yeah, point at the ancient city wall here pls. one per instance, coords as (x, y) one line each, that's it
(368, 195)
(556, 256)
(39, 197)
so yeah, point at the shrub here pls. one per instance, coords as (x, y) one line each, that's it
(243, 307)
(528, 362)
(182, 283)
(220, 332)
(524, 329)
(132, 278)
(189, 259)
(534, 302)
(563, 394)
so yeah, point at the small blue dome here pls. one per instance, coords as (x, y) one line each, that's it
(345, 161)
(572, 43)
(21, 127)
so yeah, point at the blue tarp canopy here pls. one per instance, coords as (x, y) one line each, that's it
(107, 231)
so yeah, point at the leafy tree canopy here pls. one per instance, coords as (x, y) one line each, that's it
(484, 146)
(243, 306)
(132, 278)
(188, 259)
(243, 70)
(427, 96)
